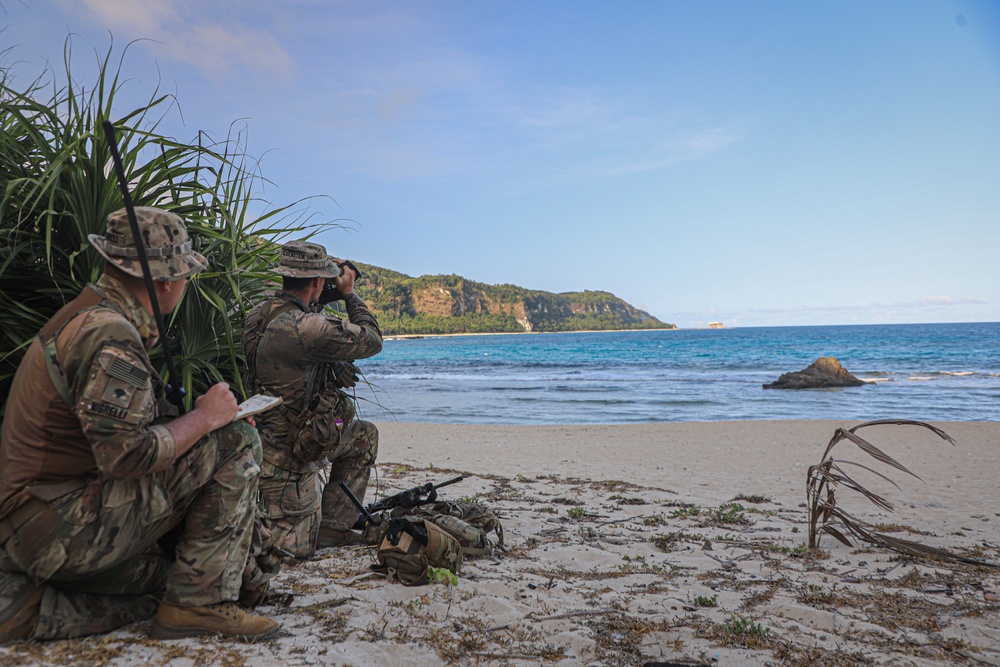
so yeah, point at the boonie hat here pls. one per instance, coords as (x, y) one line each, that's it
(168, 246)
(304, 259)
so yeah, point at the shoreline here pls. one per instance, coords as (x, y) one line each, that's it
(726, 327)
(513, 333)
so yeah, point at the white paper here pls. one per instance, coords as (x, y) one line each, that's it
(256, 404)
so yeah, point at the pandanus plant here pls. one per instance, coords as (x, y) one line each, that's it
(57, 186)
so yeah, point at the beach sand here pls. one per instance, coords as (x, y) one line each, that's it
(674, 543)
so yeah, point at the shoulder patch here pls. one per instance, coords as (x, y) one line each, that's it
(118, 387)
(119, 392)
(107, 410)
(127, 372)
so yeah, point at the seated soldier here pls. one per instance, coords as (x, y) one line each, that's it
(110, 510)
(297, 352)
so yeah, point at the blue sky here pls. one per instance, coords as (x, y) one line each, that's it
(753, 162)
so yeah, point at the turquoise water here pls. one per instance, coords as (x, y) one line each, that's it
(938, 372)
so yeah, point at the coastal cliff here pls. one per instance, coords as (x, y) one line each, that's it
(453, 304)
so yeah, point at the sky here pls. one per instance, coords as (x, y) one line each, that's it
(754, 162)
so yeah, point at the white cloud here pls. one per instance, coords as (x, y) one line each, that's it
(872, 308)
(210, 37)
(929, 309)
(935, 302)
(141, 19)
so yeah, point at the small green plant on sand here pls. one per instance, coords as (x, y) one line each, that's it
(796, 551)
(685, 512)
(576, 513)
(729, 513)
(744, 627)
(702, 601)
(816, 594)
(756, 499)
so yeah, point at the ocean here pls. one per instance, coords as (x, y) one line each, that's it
(931, 372)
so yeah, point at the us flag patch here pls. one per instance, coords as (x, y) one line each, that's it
(126, 372)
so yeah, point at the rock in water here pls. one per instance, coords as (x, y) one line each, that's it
(824, 372)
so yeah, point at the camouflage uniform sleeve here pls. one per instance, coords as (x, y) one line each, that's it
(116, 404)
(329, 339)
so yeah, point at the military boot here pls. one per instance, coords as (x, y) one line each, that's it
(332, 537)
(224, 618)
(20, 602)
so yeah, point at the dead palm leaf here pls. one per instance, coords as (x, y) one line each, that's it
(826, 517)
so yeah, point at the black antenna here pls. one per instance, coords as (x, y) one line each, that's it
(175, 390)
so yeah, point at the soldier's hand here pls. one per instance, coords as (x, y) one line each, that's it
(218, 403)
(345, 281)
(345, 374)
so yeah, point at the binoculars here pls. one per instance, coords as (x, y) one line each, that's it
(330, 291)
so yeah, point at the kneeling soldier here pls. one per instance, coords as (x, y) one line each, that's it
(110, 510)
(297, 352)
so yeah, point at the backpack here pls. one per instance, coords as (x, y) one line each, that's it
(454, 530)
(409, 549)
(471, 524)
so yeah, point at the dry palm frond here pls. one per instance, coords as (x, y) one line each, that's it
(826, 517)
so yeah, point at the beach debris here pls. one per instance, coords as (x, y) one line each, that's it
(822, 373)
(575, 614)
(825, 516)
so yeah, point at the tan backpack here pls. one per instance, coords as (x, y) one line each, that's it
(409, 549)
(469, 523)
(453, 531)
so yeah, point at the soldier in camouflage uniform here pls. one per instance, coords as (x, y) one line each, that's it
(297, 352)
(112, 507)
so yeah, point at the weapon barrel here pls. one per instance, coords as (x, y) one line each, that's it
(454, 480)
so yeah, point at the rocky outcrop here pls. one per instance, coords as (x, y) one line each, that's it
(822, 373)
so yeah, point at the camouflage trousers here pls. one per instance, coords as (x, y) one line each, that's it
(301, 500)
(108, 552)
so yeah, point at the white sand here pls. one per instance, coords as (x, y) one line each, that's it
(617, 544)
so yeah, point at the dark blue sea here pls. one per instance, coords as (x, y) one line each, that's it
(935, 372)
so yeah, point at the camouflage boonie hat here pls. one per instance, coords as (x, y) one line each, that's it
(168, 247)
(303, 259)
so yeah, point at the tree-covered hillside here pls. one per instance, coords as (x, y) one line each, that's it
(453, 304)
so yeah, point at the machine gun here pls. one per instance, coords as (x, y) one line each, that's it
(397, 526)
(412, 497)
(418, 495)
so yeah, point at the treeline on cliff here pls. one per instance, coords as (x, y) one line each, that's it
(450, 304)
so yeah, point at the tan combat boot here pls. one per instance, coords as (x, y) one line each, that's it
(20, 602)
(332, 537)
(224, 618)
